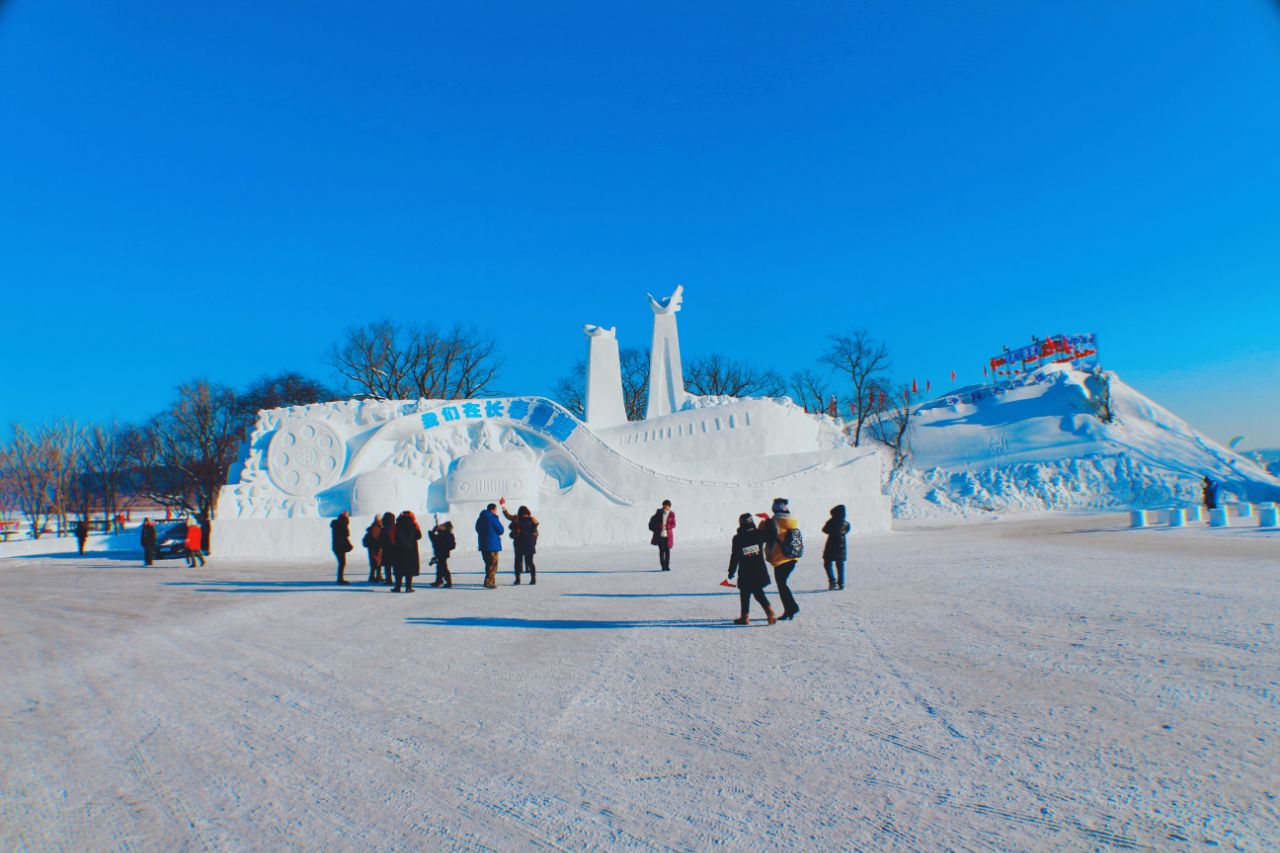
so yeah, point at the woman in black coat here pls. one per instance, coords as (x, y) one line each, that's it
(340, 528)
(747, 562)
(388, 548)
(524, 535)
(442, 544)
(836, 550)
(407, 535)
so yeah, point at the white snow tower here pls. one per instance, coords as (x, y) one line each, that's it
(605, 406)
(666, 375)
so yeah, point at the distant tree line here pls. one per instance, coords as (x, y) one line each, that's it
(180, 457)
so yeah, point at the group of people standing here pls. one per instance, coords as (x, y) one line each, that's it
(391, 543)
(775, 543)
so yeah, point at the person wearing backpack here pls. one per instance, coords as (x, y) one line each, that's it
(442, 544)
(524, 536)
(663, 527)
(836, 550)
(747, 562)
(785, 546)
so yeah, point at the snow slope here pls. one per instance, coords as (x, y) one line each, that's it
(1039, 446)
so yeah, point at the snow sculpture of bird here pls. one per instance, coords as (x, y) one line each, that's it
(670, 304)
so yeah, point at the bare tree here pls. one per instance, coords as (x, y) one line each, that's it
(893, 419)
(43, 465)
(393, 361)
(717, 376)
(571, 390)
(105, 464)
(188, 448)
(274, 392)
(862, 360)
(810, 390)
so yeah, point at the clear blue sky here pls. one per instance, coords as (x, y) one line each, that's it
(218, 189)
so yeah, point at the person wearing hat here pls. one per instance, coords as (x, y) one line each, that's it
(836, 551)
(747, 561)
(781, 536)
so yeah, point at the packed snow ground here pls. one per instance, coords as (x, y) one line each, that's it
(1032, 684)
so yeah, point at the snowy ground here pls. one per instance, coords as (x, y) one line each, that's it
(1029, 684)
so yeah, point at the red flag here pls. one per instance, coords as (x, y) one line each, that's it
(915, 389)
(853, 410)
(882, 398)
(953, 376)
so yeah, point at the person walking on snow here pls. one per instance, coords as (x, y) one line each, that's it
(1212, 491)
(148, 542)
(663, 527)
(782, 540)
(406, 561)
(489, 532)
(442, 544)
(82, 533)
(747, 562)
(372, 543)
(837, 549)
(195, 543)
(340, 529)
(388, 547)
(524, 536)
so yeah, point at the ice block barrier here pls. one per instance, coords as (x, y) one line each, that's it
(1244, 510)
(1138, 519)
(1269, 516)
(1177, 518)
(1195, 513)
(1219, 517)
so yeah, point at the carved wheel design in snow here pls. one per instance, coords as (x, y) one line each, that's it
(305, 457)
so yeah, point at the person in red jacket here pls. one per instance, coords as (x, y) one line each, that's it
(195, 544)
(663, 528)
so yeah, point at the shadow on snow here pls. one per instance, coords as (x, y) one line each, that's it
(565, 624)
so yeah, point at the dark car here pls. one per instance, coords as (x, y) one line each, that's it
(172, 541)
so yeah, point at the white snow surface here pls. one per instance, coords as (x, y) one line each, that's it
(1044, 683)
(1040, 447)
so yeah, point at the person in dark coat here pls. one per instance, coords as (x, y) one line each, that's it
(82, 533)
(747, 562)
(489, 533)
(388, 548)
(1211, 491)
(836, 550)
(148, 542)
(524, 536)
(663, 527)
(340, 528)
(442, 544)
(372, 543)
(406, 563)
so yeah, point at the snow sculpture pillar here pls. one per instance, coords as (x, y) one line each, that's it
(1138, 519)
(605, 406)
(666, 374)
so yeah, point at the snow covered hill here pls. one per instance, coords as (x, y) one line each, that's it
(1038, 445)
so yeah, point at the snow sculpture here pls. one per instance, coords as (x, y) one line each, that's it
(666, 374)
(605, 406)
(591, 483)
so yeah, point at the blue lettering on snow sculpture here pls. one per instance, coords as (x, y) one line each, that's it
(519, 409)
(541, 414)
(450, 413)
(493, 408)
(471, 410)
(429, 420)
(562, 428)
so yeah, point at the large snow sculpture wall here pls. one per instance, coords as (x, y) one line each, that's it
(304, 465)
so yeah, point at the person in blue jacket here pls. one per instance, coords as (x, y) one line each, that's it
(489, 530)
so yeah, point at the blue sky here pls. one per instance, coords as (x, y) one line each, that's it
(218, 190)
